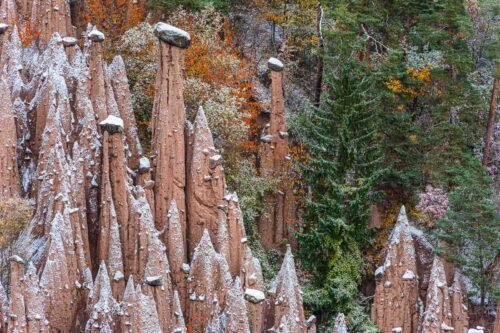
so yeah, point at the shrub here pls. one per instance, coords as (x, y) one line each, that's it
(188, 4)
(433, 204)
(14, 216)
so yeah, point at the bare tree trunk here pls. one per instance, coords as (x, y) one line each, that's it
(320, 65)
(491, 121)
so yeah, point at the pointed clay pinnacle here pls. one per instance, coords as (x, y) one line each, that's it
(102, 285)
(236, 310)
(205, 183)
(147, 316)
(129, 293)
(396, 292)
(176, 253)
(103, 306)
(402, 217)
(178, 325)
(340, 325)
(460, 317)
(288, 305)
(172, 35)
(437, 315)
(9, 175)
(208, 282)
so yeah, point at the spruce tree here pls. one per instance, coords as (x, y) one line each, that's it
(343, 169)
(471, 227)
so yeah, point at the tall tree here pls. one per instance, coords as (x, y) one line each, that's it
(491, 115)
(343, 169)
(471, 228)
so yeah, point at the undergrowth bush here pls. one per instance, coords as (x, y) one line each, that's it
(14, 216)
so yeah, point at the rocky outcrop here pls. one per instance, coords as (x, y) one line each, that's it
(396, 296)
(168, 132)
(437, 316)
(278, 216)
(311, 324)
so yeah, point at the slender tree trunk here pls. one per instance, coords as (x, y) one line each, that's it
(273, 34)
(491, 121)
(320, 65)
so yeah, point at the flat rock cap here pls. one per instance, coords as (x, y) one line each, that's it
(172, 35)
(69, 41)
(275, 65)
(3, 27)
(96, 35)
(112, 124)
(17, 259)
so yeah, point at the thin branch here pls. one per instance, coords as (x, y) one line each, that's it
(368, 36)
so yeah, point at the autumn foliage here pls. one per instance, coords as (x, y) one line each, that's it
(113, 17)
(418, 80)
(218, 76)
(26, 33)
(218, 62)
